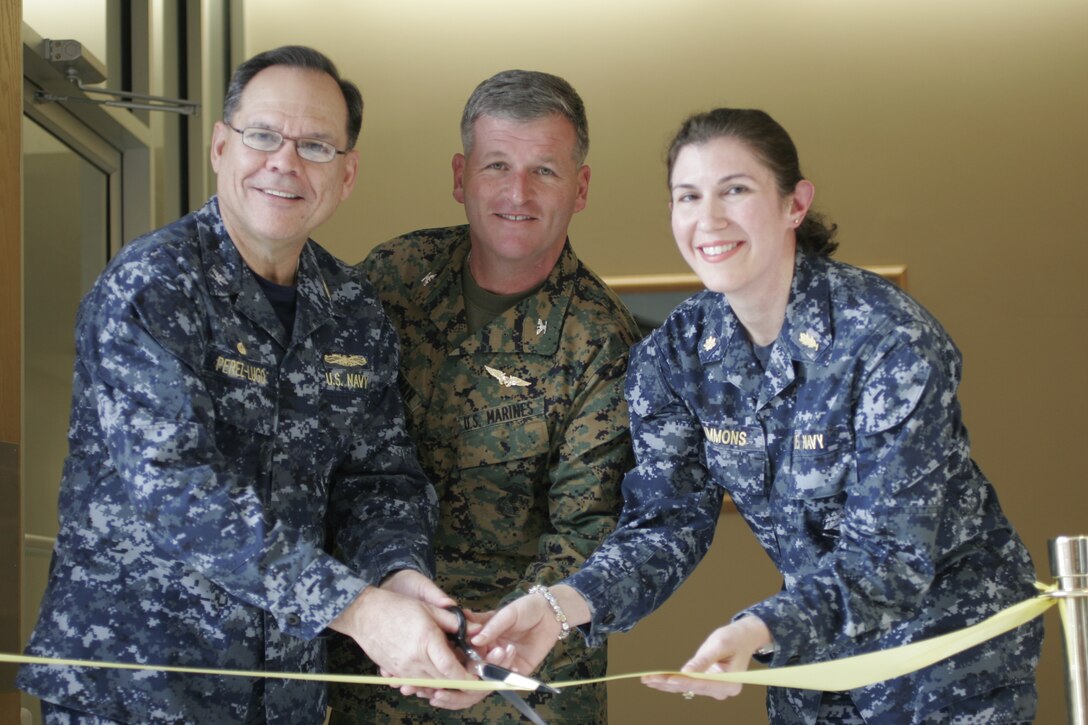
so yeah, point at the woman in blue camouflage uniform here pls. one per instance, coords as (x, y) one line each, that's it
(822, 399)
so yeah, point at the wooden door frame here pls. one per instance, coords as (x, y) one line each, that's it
(11, 356)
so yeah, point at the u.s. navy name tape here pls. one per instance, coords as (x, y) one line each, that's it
(844, 674)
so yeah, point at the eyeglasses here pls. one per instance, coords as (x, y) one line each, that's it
(264, 139)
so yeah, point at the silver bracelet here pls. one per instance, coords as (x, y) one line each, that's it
(564, 625)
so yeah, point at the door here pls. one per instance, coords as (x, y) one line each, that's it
(66, 243)
(89, 182)
(73, 174)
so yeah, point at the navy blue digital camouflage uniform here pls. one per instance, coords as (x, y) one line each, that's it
(849, 460)
(213, 457)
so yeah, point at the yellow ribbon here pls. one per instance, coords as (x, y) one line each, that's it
(844, 674)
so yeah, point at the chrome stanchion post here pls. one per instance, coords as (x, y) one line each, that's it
(1069, 565)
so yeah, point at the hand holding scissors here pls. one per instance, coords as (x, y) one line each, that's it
(488, 671)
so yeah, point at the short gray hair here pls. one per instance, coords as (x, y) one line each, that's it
(525, 95)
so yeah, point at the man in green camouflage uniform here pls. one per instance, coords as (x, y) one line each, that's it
(512, 368)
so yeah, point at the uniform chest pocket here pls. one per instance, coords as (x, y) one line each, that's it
(736, 459)
(500, 467)
(242, 390)
(822, 463)
(504, 443)
(350, 390)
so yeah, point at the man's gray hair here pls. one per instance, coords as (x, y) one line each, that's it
(525, 95)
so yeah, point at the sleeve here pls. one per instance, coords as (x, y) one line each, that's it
(670, 507)
(909, 443)
(158, 420)
(383, 509)
(583, 494)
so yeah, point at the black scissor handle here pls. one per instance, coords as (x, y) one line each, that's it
(462, 625)
(461, 638)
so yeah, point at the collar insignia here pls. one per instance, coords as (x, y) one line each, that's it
(347, 361)
(508, 381)
(709, 343)
(806, 339)
(541, 326)
(428, 278)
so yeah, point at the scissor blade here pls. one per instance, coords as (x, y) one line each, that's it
(522, 707)
(501, 674)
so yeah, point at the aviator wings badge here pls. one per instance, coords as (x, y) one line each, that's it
(508, 381)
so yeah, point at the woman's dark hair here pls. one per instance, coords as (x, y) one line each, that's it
(773, 146)
(296, 56)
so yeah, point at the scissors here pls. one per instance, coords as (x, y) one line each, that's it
(487, 671)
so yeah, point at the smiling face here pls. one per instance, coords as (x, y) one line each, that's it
(272, 201)
(520, 185)
(733, 227)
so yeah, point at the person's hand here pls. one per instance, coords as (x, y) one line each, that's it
(727, 649)
(518, 637)
(411, 583)
(460, 699)
(405, 634)
(529, 624)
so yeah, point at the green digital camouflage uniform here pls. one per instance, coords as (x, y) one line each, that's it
(522, 428)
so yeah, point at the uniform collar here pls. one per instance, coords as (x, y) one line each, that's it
(724, 350)
(228, 276)
(806, 335)
(533, 325)
(316, 304)
(438, 287)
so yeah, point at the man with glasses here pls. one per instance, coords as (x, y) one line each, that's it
(513, 355)
(235, 412)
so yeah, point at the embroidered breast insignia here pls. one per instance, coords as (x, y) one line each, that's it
(347, 361)
(508, 381)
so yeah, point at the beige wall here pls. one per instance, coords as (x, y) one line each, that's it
(949, 136)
